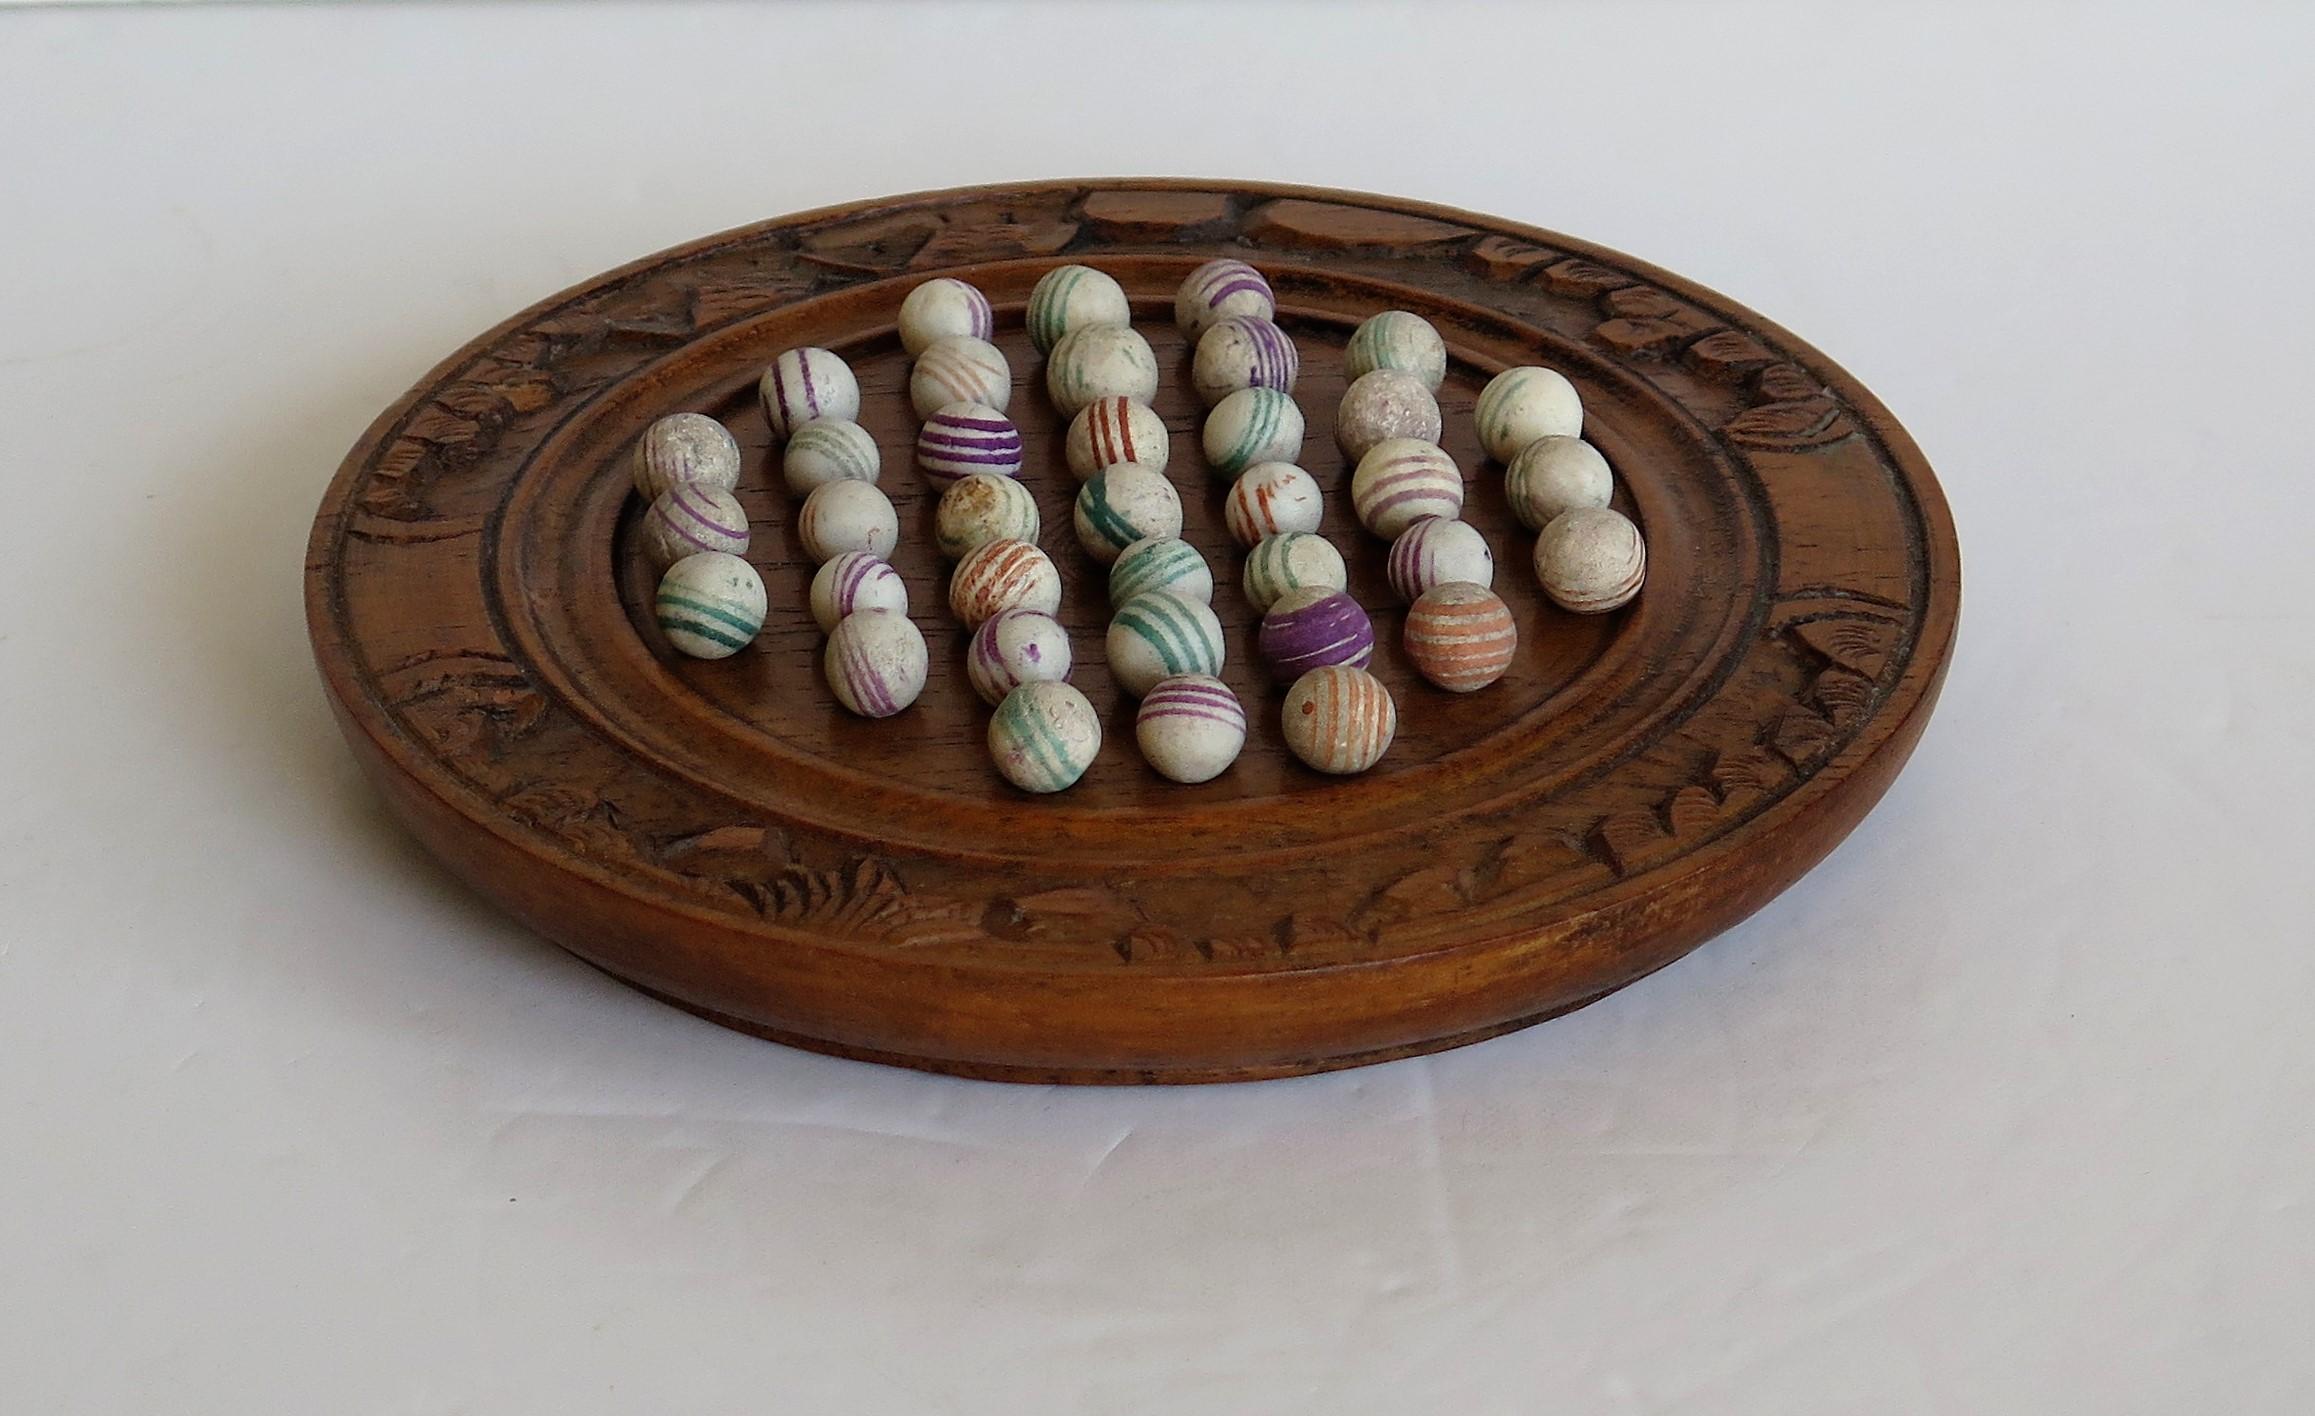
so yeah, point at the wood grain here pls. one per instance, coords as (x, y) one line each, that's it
(723, 836)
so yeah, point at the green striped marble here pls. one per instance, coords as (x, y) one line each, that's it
(1160, 634)
(1250, 426)
(1396, 339)
(1160, 563)
(710, 606)
(1043, 736)
(1291, 561)
(1072, 297)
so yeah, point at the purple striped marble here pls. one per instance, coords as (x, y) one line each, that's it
(1313, 628)
(1219, 289)
(1190, 727)
(692, 517)
(1400, 481)
(875, 662)
(1014, 647)
(1244, 351)
(855, 581)
(960, 439)
(1434, 550)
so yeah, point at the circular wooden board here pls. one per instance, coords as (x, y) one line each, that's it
(725, 837)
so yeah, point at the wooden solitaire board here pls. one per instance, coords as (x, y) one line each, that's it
(724, 836)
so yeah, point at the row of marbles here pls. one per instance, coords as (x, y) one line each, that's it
(1163, 643)
(1314, 639)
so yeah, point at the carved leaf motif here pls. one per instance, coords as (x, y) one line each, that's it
(717, 302)
(1748, 773)
(1635, 337)
(662, 329)
(1241, 947)
(472, 400)
(871, 245)
(1727, 355)
(1858, 645)
(715, 841)
(865, 898)
(1501, 258)
(467, 703)
(1844, 696)
(1789, 427)
(1533, 856)
(1802, 736)
(1628, 837)
(440, 425)
(1155, 216)
(397, 482)
(527, 394)
(1298, 223)
(1150, 944)
(1693, 811)
(1786, 383)
(1575, 276)
(1639, 302)
(964, 244)
(1303, 931)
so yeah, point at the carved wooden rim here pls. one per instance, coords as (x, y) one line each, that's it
(1801, 704)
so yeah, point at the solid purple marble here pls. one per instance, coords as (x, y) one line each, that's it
(1313, 628)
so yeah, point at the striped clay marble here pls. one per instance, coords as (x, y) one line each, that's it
(959, 439)
(1218, 290)
(1384, 404)
(982, 508)
(1120, 505)
(847, 516)
(1339, 719)
(1159, 635)
(875, 662)
(1396, 339)
(1401, 480)
(1270, 499)
(1074, 297)
(806, 384)
(1243, 351)
(1003, 575)
(1100, 361)
(1014, 647)
(1556, 474)
(1160, 563)
(710, 606)
(941, 307)
(1044, 736)
(685, 447)
(1111, 430)
(1434, 550)
(1523, 404)
(1190, 727)
(1460, 636)
(692, 517)
(1251, 426)
(1312, 628)
(852, 582)
(1290, 562)
(829, 450)
(960, 369)
(1591, 560)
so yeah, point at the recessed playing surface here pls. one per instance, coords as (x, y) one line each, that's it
(725, 834)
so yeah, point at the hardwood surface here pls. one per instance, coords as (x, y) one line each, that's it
(722, 835)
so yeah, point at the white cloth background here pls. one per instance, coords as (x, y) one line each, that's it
(2004, 1109)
